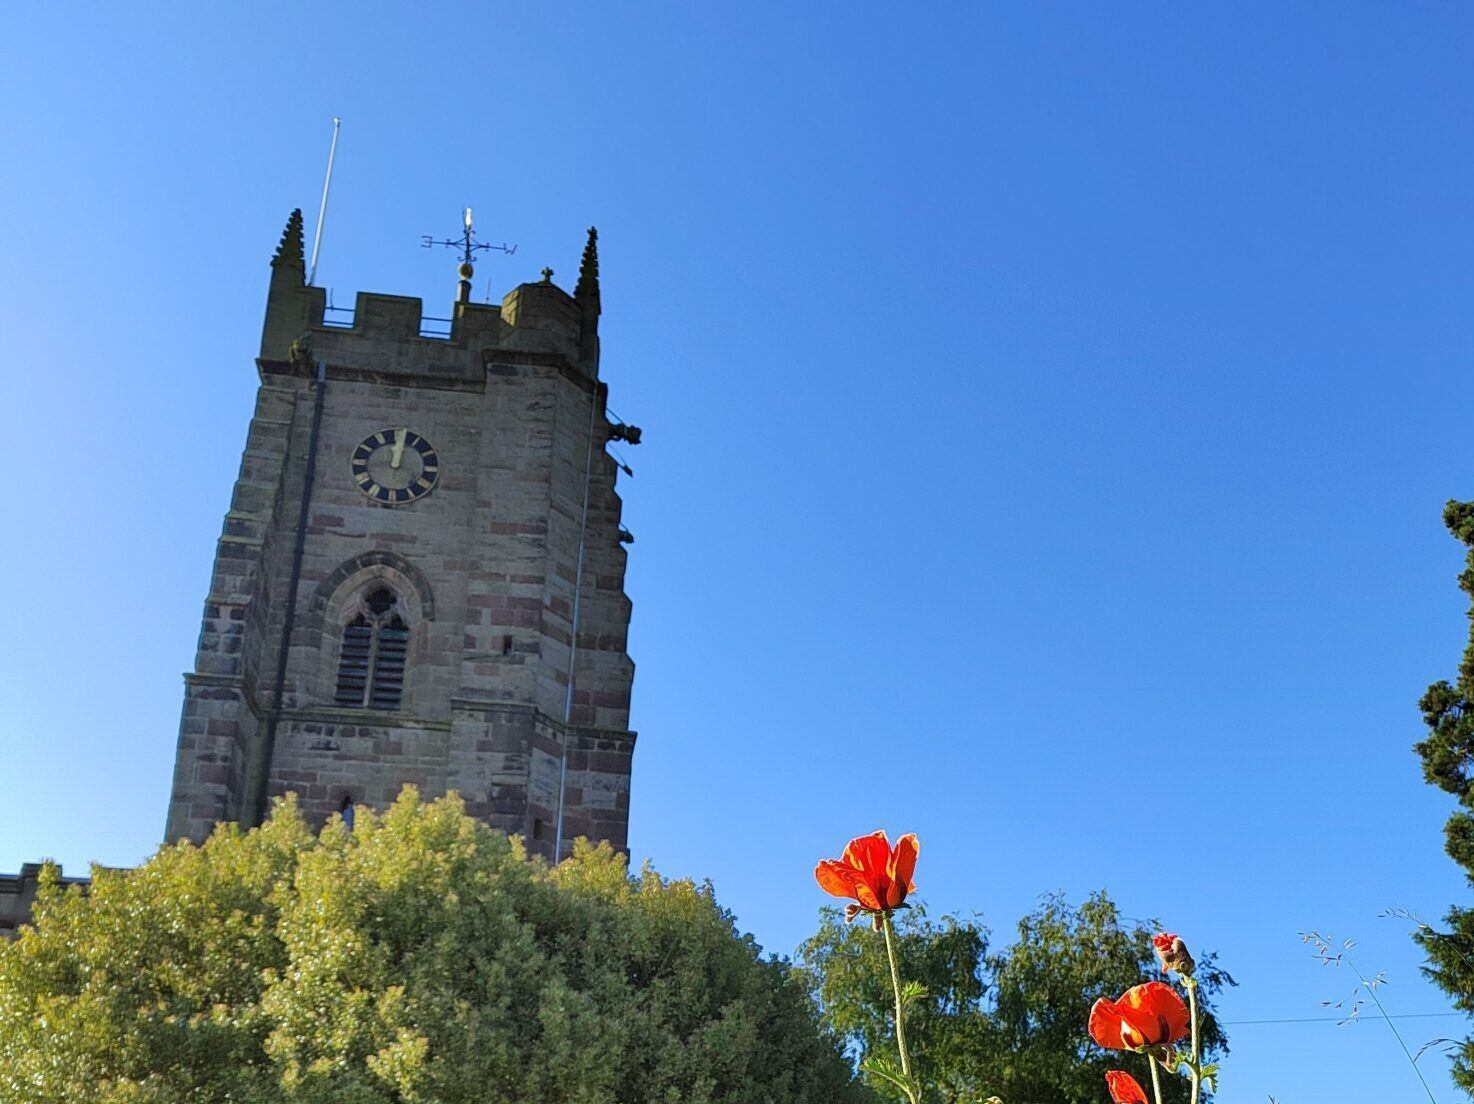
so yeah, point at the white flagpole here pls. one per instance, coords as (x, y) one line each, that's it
(322, 210)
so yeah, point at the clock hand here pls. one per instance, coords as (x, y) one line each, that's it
(398, 454)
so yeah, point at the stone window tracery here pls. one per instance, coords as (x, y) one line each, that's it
(372, 658)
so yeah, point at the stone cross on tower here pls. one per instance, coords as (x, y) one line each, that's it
(393, 598)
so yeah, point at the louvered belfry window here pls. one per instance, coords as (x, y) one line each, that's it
(375, 646)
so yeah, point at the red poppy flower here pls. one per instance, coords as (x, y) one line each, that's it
(871, 872)
(1125, 1089)
(1172, 953)
(1146, 1015)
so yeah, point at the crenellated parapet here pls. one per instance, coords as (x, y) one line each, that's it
(392, 334)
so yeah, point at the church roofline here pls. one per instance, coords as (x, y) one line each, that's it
(534, 316)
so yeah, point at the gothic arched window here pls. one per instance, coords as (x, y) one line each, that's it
(375, 644)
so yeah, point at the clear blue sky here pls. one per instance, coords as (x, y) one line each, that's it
(1049, 409)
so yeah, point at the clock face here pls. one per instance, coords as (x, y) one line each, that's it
(395, 466)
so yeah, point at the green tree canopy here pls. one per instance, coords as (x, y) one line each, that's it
(1010, 1024)
(420, 957)
(1448, 762)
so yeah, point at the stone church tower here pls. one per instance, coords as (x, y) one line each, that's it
(421, 574)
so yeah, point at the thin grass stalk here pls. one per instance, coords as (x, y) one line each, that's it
(1372, 992)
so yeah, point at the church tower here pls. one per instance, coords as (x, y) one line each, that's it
(421, 574)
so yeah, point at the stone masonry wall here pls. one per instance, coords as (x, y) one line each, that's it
(220, 712)
(484, 565)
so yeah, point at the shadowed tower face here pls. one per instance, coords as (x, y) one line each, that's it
(417, 525)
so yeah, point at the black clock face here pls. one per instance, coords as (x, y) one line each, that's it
(395, 466)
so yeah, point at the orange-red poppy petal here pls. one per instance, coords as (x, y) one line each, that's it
(841, 880)
(1139, 1027)
(902, 863)
(1163, 941)
(837, 879)
(869, 855)
(1105, 1024)
(867, 896)
(1156, 1011)
(1125, 1089)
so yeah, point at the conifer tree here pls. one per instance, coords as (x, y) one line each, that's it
(1448, 763)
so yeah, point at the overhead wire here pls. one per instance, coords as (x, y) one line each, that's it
(1340, 1019)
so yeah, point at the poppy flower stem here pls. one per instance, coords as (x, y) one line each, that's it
(1197, 1062)
(1156, 1079)
(890, 951)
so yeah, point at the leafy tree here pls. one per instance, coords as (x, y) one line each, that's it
(1010, 1024)
(1448, 763)
(419, 958)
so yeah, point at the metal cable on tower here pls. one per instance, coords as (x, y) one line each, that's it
(583, 530)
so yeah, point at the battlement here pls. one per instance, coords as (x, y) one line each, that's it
(18, 895)
(392, 333)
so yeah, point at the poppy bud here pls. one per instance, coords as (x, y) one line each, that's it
(1124, 1088)
(1172, 953)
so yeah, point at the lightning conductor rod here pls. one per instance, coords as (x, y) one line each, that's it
(583, 532)
(322, 210)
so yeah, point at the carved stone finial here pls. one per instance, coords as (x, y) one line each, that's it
(587, 290)
(289, 251)
(547, 275)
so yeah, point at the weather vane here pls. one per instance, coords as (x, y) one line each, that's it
(468, 245)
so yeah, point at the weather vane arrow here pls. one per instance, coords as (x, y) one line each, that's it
(468, 245)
